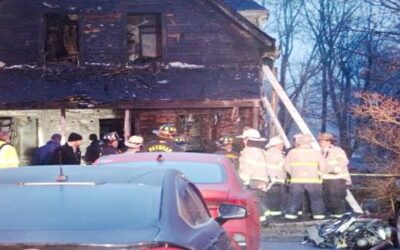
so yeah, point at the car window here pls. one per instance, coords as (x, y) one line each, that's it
(190, 204)
(196, 172)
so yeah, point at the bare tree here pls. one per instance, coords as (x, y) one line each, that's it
(380, 132)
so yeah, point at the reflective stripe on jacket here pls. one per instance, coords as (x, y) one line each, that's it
(305, 165)
(8, 156)
(275, 161)
(337, 162)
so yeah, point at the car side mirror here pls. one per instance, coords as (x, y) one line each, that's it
(230, 212)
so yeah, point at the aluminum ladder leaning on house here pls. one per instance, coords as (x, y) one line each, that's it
(269, 77)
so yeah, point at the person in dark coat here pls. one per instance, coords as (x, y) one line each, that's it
(44, 153)
(110, 146)
(165, 141)
(93, 150)
(69, 153)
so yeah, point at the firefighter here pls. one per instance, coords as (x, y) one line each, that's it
(165, 141)
(181, 141)
(276, 194)
(134, 144)
(8, 154)
(252, 166)
(305, 167)
(226, 148)
(337, 177)
(110, 145)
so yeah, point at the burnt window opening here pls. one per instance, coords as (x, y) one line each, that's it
(62, 38)
(144, 37)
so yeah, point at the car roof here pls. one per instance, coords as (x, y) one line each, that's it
(170, 156)
(78, 173)
(105, 210)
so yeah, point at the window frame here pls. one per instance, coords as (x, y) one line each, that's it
(45, 33)
(160, 48)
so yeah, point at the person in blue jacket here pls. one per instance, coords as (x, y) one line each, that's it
(44, 153)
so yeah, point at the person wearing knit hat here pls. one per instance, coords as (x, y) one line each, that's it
(134, 144)
(74, 137)
(69, 153)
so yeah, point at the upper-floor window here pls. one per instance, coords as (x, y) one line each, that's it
(144, 37)
(62, 38)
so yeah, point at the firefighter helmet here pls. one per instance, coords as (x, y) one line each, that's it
(326, 137)
(180, 139)
(226, 139)
(166, 130)
(110, 137)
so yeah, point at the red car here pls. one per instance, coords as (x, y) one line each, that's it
(216, 179)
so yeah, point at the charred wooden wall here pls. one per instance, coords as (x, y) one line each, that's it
(192, 31)
(206, 125)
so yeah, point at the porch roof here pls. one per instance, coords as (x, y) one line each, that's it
(27, 88)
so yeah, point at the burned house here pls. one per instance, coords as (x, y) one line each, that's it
(130, 66)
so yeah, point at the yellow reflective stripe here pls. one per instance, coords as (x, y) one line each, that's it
(290, 216)
(306, 180)
(304, 164)
(272, 213)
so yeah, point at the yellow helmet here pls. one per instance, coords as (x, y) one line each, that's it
(226, 139)
(180, 139)
(166, 130)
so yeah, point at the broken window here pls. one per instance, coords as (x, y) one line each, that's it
(7, 125)
(62, 33)
(144, 37)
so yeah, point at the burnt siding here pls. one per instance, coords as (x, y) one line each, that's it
(198, 33)
(193, 31)
(20, 40)
(102, 38)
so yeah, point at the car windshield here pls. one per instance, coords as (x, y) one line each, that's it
(198, 173)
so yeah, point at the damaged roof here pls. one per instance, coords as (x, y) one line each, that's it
(241, 5)
(100, 87)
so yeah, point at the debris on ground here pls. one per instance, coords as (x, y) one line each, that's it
(351, 232)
